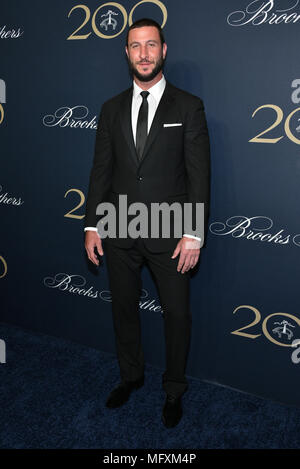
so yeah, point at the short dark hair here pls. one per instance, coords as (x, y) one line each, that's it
(146, 22)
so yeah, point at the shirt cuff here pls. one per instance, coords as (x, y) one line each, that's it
(191, 236)
(91, 228)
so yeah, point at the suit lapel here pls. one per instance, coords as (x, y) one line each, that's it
(125, 118)
(158, 120)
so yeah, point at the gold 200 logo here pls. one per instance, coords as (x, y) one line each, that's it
(1, 113)
(279, 113)
(282, 330)
(108, 21)
(295, 98)
(3, 267)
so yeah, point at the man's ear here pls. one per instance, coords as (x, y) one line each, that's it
(126, 50)
(164, 49)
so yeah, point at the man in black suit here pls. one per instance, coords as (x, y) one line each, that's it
(152, 145)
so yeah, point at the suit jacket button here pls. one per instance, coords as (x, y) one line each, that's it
(140, 178)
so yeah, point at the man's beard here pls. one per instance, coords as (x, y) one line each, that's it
(158, 67)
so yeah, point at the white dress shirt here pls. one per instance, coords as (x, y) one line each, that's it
(154, 97)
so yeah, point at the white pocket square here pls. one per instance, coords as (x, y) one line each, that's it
(173, 125)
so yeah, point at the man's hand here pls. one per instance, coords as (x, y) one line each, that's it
(189, 250)
(92, 241)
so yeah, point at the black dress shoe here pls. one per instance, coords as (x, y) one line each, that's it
(172, 411)
(121, 393)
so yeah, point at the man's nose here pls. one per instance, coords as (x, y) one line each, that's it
(144, 52)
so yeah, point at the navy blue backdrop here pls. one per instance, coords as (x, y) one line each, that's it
(60, 61)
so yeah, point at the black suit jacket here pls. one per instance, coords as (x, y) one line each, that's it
(175, 166)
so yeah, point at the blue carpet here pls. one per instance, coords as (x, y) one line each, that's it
(53, 394)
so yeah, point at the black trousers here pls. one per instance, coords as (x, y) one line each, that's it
(124, 272)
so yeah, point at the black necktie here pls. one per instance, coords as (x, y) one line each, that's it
(142, 125)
